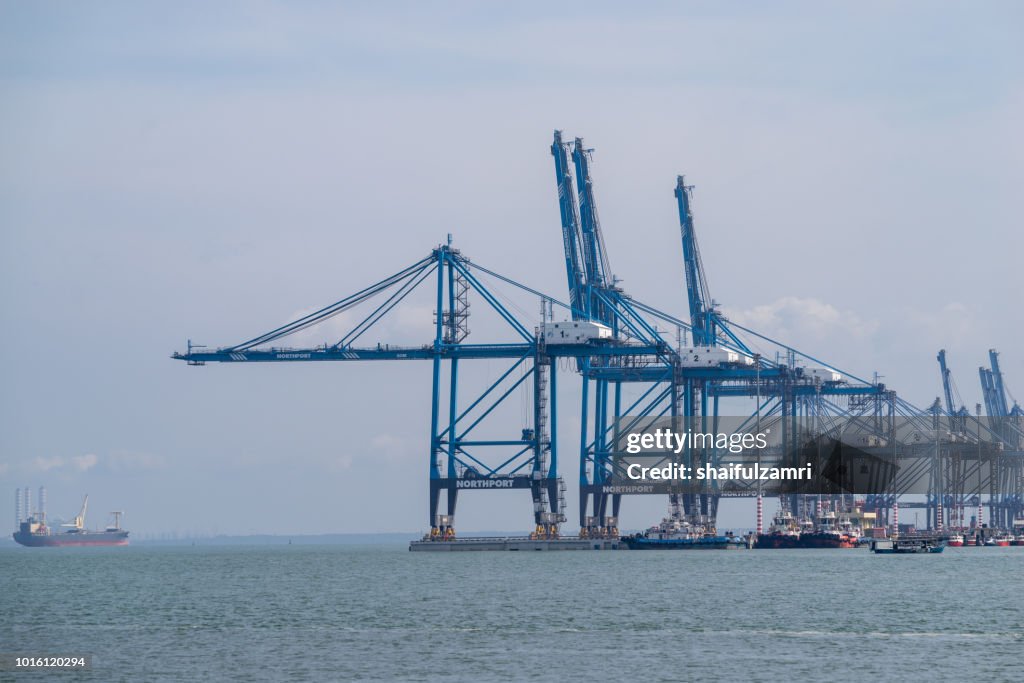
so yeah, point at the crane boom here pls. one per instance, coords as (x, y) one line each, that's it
(80, 519)
(998, 390)
(571, 237)
(987, 391)
(946, 387)
(595, 255)
(702, 318)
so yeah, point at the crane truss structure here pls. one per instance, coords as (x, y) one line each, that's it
(976, 455)
(635, 372)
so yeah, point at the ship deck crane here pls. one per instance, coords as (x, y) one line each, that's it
(79, 521)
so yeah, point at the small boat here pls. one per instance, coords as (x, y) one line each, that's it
(955, 541)
(677, 532)
(990, 541)
(907, 546)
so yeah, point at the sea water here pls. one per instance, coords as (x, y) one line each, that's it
(344, 612)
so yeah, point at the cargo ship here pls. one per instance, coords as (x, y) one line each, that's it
(680, 533)
(34, 532)
(829, 531)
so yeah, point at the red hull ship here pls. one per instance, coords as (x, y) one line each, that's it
(34, 533)
(42, 538)
(831, 532)
(806, 540)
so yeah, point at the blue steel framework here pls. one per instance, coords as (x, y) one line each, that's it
(1006, 482)
(637, 354)
(976, 455)
(689, 396)
(456, 456)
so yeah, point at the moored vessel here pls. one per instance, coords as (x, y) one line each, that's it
(829, 531)
(684, 532)
(907, 546)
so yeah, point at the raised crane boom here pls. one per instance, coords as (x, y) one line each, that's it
(988, 391)
(702, 314)
(80, 519)
(571, 238)
(946, 382)
(999, 391)
(595, 255)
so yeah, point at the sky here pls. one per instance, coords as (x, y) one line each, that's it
(210, 170)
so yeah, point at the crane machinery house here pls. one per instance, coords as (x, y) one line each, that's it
(575, 332)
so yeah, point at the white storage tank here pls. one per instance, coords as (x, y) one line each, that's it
(574, 332)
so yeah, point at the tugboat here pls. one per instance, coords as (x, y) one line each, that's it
(955, 541)
(683, 532)
(1018, 540)
(907, 546)
(830, 532)
(1004, 540)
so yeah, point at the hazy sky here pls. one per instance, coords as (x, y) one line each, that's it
(208, 170)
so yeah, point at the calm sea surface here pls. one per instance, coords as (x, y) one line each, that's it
(324, 613)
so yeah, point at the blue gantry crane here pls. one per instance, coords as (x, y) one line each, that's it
(630, 371)
(597, 300)
(458, 459)
(1006, 479)
(975, 455)
(683, 383)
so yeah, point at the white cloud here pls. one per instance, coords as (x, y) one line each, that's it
(341, 463)
(45, 464)
(115, 462)
(792, 318)
(84, 462)
(133, 461)
(81, 463)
